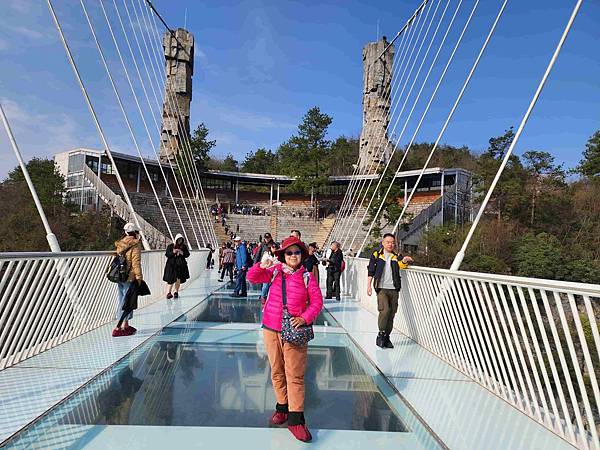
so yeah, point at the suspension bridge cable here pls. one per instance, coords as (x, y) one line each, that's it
(171, 100)
(126, 116)
(383, 136)
(202, 212)
(211, 234)
(150, 138)
(168, 159)
(417, 98)
(371, 160)
(451, 114)
(423, 84)
(363, 157)
(50, 236)
(122, 106)
(432, 97)
(425, 112)
(134, 215)
(143, 84)
(364, 168)
(461, 253)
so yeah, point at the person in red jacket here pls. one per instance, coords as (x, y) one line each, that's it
(304, 302)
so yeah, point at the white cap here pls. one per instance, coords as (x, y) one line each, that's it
(237, 238)
(130, 227)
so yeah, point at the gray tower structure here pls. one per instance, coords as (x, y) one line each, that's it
(179, 65)
(375, 147)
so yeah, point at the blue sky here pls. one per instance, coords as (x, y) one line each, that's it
(260, 65)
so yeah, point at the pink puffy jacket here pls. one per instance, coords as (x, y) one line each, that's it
(300, 300)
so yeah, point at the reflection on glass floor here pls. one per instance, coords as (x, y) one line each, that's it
(223, 308)
(221, 378)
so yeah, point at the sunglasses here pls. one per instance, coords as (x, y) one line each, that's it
(295, 252)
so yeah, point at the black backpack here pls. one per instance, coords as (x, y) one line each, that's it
(118, 271)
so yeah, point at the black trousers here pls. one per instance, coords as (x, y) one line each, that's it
(333, 285)
(227, 268)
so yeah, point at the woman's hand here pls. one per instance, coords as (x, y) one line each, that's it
(266, 263)
(297, 322)
(407, 260)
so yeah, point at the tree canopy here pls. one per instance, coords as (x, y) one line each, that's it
(21, 228)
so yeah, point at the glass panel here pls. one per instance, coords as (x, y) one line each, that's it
(222, 308)
(180, 379)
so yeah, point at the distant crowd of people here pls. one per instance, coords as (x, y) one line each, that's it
(289, 278)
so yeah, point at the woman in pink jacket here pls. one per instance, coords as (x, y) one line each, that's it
(304, 302)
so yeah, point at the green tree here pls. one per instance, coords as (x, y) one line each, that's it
(343, 154)
(539, 256)
(21, 228)
(261, 161)
(304, 155)
(230, 163)
(48, 181)
(544, 174)
(589, 166)
(509, 197)
(201, 146)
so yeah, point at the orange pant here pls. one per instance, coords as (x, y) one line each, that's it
(288, 363)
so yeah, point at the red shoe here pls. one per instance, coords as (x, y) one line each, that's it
(169, 296)
(118, 332)
(279, 418)
(300, 432)
(131, 329)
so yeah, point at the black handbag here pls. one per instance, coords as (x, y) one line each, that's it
(297, 336)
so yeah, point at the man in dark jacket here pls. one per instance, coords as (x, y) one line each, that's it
(334, 271)
(264, 247)
(384, 275)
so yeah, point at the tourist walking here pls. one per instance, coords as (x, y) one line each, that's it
(209, 259)
(129, 246)
(295, 301)
(384, 274)
(242, 261)
(176, 268)
(221, 249)
(334, 271)
(228, 262)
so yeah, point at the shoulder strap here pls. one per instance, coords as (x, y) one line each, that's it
(306, 276)
(283, 295)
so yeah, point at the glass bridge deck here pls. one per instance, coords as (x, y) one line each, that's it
(203, 378)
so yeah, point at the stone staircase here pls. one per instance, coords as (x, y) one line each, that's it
(252, 227)
(147, 207)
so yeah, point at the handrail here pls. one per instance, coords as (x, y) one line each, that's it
(39, 255)
(541, 283)
(49, 298)
(533, 342)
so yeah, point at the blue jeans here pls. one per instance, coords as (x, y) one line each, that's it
(265, 290)
(240, 283)
(122, 287)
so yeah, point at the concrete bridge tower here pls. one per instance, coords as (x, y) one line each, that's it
(179, 65)
(375, 147)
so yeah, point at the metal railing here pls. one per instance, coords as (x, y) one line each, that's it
(535, 343)
(155, 238)
(49, 298)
